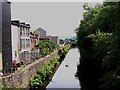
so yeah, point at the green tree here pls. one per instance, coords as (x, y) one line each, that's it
(98, 41)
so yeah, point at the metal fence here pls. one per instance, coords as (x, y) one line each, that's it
(26, 58)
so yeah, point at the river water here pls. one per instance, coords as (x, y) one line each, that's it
(65, 75)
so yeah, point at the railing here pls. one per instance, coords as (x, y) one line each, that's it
(27, 58)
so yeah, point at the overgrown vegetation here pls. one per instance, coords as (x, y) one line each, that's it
(98, 41)
(44, 74)
(46, 47)
(63, 51)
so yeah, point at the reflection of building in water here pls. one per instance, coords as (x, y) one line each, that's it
(5, 37)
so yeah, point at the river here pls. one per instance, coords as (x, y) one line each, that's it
(65, 75)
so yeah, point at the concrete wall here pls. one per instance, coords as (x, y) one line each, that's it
(21, 79)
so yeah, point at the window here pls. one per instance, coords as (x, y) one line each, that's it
(28, 31)
(21, 31)
(15, 54)
(24, 31)
(22, 43)
(27, 43)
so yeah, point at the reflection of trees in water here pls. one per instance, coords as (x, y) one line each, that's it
(99, 36)
(86, 74)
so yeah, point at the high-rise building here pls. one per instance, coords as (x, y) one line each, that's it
(5, 37)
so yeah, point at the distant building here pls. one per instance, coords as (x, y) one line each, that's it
(34, 40)
(50, 38)
(54, 39)
(61, 41)
(20, 41)
(41, 31)
(5, 37)
(35, 51)
(45, 38)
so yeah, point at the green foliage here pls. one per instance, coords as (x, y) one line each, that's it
(63, 51)
(46, 47)
(43, 74)
(99, 43)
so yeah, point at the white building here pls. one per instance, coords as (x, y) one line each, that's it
(20, 41)
(15, 33)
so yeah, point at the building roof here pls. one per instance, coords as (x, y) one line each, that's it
(40, 29)
(18, 23)
(15, 22)
(48, 37)
(5, 1)
(54, 36)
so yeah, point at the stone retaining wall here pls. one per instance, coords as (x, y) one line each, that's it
(20, 79)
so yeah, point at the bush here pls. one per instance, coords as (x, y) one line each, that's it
(43, 74)
(46, 47)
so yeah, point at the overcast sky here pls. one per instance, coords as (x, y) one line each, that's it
(60, 18)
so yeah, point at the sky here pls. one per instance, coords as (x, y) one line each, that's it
(57, 18)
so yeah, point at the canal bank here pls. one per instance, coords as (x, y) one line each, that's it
(65, 75)
(44, 75)
(20, 79)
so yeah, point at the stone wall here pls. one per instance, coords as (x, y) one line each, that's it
(20, 79)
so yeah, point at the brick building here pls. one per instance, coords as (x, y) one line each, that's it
(34, 40)
(50, 38)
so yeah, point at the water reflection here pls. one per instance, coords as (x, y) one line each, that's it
(65, 75)
(86, 74)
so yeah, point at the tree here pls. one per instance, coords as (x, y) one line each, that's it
(98, 41)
